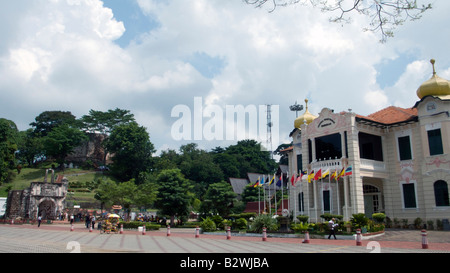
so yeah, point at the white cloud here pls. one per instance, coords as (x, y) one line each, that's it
(62, 55)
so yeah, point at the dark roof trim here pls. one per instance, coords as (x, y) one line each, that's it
(386, 125)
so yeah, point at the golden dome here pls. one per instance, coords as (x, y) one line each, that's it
(436, 86)
(307, 116)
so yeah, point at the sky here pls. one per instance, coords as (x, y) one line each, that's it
(177, 65)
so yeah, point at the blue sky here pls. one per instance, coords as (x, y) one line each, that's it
(136, 23)
(150, 56)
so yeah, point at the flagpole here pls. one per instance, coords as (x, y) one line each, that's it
(264, 194)
(270, 203)
(259, 196)
(276, 211)
(282, 197)
(259, 200)
(338, 198)
(307, 189)
(329, 196)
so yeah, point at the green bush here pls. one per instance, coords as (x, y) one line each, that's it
(262, 221)
(379, 217)
(208, 225)
(300, 227)
(136, 224)
(359, 220)
(303, 218)
(240, 224)
(328, 216)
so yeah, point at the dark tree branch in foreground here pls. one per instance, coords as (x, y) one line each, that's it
(384, 15)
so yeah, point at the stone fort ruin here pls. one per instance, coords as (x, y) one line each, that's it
(46, 199)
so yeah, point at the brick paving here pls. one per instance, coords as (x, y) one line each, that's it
(57, 238)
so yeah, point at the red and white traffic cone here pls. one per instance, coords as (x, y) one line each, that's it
(424, 239)
(168, 230)
(121, 228)
(143, 230)
(358, 237)
(90, 228)
(228, 233)
(71, 227)
(197, 232)
(306, 240)
(264, 234)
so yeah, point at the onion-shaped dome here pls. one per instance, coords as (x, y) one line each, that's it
(307, 117)
(436, 86)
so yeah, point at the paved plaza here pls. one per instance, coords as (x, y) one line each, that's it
(57, 238)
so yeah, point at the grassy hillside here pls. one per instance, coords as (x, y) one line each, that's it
(28, 175)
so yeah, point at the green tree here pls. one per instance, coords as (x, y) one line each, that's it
(220, 196)
(283, 156)
(61, 141)
(8, 147)
(198, 166)
(30, 148)
(250, 194)
(131, 149)
(147, 191)
(173, 198)
(251, 158)
(104, 122)
(48, 120)
(106, 192)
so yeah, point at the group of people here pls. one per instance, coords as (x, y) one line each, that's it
(90, 221)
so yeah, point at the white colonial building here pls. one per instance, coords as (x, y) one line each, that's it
(400, 159)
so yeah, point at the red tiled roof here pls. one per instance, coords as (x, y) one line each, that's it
(391, 115)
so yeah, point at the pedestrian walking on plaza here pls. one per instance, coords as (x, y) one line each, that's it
(93, 221)
(88, 220)
(332, 228)
(71, 219)
(39, 220)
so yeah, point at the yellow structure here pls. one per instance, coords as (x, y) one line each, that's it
(436, 86)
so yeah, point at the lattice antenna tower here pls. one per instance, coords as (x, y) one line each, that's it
(269, 129)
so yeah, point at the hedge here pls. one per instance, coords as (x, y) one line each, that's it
(136, 224)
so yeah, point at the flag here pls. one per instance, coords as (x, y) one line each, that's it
(256, 184)
(310, 176)
(295, 179)
(271, 180)
(280, 181)
(334, 175)
(326, 173)
(341, 173)
(304, 175)
(262, 182)
(349, 170)
(318, 175)
(299, 177)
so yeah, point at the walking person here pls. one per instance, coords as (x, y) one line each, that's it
(332, 228)
(39, 220)
(93, 221)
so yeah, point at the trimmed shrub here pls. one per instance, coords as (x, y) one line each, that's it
(262, 221)
(379, 217)
(208, 225)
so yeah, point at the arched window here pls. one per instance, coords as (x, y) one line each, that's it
(441, 193)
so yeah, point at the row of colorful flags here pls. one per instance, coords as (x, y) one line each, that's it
(312, 176)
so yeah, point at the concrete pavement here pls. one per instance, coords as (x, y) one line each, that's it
(57, 238)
